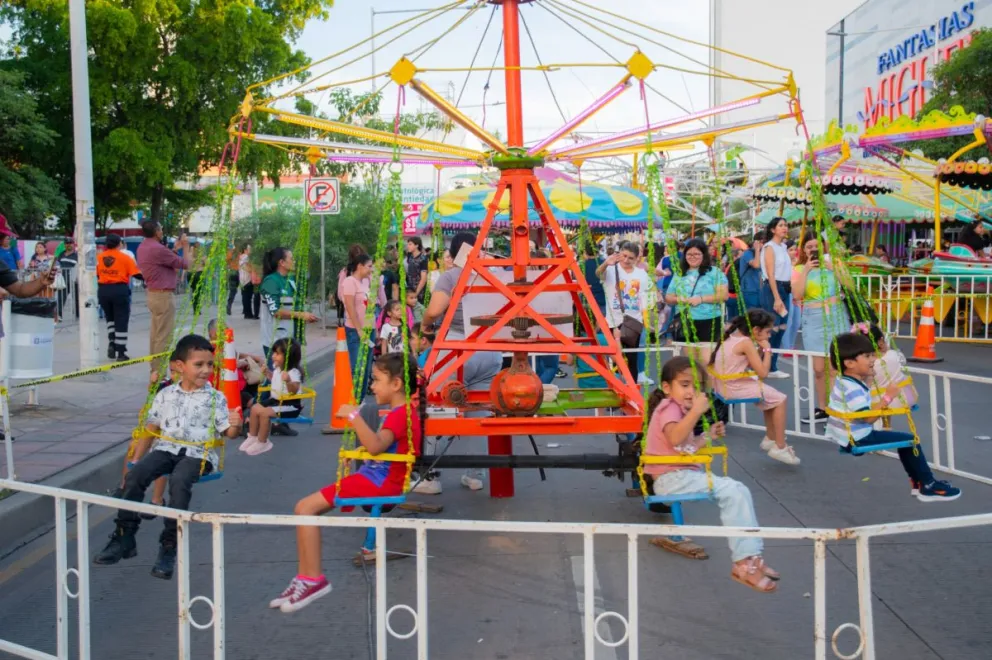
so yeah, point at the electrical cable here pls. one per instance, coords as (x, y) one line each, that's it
(476, 55)
(547, 78)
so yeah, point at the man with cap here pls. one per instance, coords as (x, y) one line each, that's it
(9, 253)
(114, 270)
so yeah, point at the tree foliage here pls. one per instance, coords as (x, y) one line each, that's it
(27, 194)
(359, 221)
(165, 78)
(966, 80)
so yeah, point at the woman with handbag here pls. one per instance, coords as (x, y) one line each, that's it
(776, 284)
(699, 292)
(627, 290)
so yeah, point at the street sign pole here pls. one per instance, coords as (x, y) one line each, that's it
(89, 336)
(323, 278)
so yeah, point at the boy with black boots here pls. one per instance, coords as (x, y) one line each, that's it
(186, 419)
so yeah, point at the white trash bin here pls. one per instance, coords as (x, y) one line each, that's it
(31, 341)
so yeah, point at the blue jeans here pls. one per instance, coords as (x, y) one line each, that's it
(354, 339)
(768, 304)
(913, 462)
(546, 368)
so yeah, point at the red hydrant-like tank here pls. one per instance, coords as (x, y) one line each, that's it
(517, 391)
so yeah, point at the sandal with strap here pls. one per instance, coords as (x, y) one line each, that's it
(681, 546)
(767, 570)
(749, 573)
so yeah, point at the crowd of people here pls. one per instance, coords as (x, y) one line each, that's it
(733, 345)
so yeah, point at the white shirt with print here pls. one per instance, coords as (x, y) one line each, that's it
(195, 417)
(637, 291)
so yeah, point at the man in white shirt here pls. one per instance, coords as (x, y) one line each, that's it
(629, 292)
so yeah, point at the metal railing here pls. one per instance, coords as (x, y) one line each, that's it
(384, 630)
(962, 305)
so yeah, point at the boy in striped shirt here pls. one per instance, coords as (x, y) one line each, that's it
(853, 355)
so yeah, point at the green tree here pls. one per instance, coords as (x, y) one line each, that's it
(27, 194)
(359, 221)
(165, 77)
(965, 80)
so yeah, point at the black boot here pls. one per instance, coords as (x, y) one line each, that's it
(111, 350)
(122, 355)
(284, 429)
(121, 546)
(165, 565)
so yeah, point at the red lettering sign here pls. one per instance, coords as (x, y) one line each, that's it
(906, 90)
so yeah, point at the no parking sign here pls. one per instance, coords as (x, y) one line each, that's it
(323, 196)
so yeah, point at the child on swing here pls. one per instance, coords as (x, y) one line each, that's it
(194, 414)
(673, 411)
(286, 380)
(853, 355)
(400, 431)
(739, 352)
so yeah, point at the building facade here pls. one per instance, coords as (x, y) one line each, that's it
(880, 56)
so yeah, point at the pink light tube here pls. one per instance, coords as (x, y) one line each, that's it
(933, 134)
(654, 127)
(385, 160)
(580, 118)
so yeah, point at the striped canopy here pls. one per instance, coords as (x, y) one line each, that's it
(606, 208)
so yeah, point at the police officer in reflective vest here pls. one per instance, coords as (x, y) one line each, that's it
(114, 270)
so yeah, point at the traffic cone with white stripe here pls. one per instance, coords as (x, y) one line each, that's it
(343, 388)
(926, 337)
(229, 383)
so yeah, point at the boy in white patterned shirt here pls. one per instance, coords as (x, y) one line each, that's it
(194, 413)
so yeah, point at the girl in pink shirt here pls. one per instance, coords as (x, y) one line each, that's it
(674, 410)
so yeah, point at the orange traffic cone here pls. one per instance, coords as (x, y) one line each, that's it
(343, 387)
(926, 337)
(229, 383)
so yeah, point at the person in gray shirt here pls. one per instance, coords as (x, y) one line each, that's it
(482, 367)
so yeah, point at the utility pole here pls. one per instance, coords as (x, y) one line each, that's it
(89, 336)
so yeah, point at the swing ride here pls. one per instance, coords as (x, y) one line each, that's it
(516, 403)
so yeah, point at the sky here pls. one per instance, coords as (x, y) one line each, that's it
(350, 22)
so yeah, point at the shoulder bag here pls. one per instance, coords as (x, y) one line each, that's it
(630, 328)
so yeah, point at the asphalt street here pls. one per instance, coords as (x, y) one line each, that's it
(495, 596)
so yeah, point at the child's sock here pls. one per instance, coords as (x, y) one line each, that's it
(310, 580)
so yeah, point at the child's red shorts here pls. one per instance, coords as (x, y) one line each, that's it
(358, 485)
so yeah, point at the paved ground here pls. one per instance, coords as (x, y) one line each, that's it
(79, 418)
(511, 596)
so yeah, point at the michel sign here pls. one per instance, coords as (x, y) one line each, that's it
(904, 68)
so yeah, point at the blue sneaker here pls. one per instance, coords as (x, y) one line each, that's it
(938, 491)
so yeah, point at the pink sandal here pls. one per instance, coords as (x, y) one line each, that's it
(751, 573)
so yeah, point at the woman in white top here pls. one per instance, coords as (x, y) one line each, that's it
(776, 284)
(629, 292)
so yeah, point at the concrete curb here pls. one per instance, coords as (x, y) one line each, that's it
(25, 516)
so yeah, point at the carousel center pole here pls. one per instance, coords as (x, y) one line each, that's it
(501, 479)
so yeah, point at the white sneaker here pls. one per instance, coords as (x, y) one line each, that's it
(778, 375)
(244, 446)
(644, 380)
(767, 444)
(785, 455)
(259, 448)
(428, 487)
(472, 483)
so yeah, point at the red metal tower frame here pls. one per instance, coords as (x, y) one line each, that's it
(521, 185)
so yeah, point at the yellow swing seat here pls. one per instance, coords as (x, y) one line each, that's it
(305, 394)
(859, 450)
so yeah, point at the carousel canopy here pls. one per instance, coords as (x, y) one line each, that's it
(606, 208)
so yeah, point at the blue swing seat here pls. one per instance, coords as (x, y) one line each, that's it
(734, 402)
(857, 450)
(213, 476)
(374, 506)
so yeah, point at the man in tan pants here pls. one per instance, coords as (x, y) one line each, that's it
(160, 267)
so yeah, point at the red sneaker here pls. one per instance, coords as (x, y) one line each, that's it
(302, 593)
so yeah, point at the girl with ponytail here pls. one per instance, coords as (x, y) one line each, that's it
(741, 362)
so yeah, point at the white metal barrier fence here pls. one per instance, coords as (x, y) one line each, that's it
(864, 629)
(962, 305)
